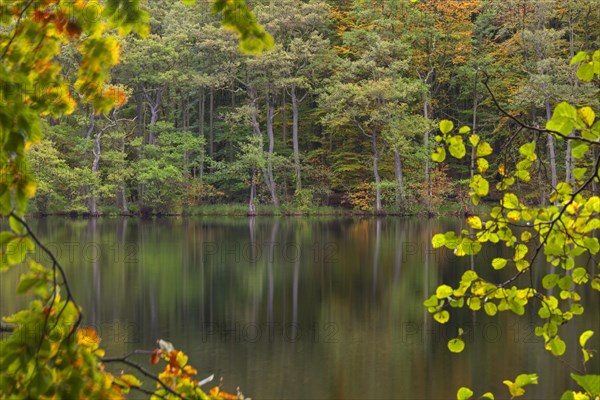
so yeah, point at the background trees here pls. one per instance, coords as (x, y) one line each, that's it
(388, 68)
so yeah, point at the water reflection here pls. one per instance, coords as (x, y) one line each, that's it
(294, 308)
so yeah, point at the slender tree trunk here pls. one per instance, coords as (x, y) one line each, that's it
(154, 113)
(201, 131)
(284, 117)
(297, 169)
(270, 113)
(426, 145)
(141, 117)
(474, 127)
(256, 128)
(376, 155)
(122, 199)
(569, 162)
(211, 105)
(251, 205)
(97, 151)
(399, 178)
(554, 176)
(121, 195)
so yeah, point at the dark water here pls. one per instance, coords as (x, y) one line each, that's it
(307, 308)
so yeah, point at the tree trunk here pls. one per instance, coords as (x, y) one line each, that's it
(256, 128)
(270, 113)
(121, 195)
(426, 145)
(201, 131)
(122, 199)
(399, 178)
(251, 205)
(297, 169)
(284, 117)
(474, 127)
(154, 113)
(551, 151)
(376, 154)
(211, 106)
(92, 202)
(569, 162)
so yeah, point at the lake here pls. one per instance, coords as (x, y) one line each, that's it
(298, 308)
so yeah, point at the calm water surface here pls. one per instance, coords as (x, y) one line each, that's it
(296, 308)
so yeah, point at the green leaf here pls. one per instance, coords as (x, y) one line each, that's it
(526, 379)
(474, 139)
(580, 276)
(565, 282)
(482, 165)
(549, 281)
(585, 72)
(523, 175)
(457, 147)
(431, 302)
(464, 130)
(510, 201)
(520, 252)
(483, 149)
(464, 393)
(16, 226)
(568, 395)
(579, 57)
(591, 243)
(443, 291)
(456, 345)
(469, 276)
(490, 309)
(589, 383)
(527, 150)
(439, 155)
(499, 263)
(578, 173)
(442, 316)
(6, 237)
(446, 126)
(488, 395)
(16, 251)
(556, 346)
(583, 338)
(563, 119)
(438, 240)
(564, 110)
(480, 186)
(579, 150)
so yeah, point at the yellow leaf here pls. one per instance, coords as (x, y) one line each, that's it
(501, 169)
(130, 380)
(29, 190)
(474, 222)
(587, 115)
(87, 337)
(515, 391)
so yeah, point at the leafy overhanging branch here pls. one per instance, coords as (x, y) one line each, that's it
(563, 232)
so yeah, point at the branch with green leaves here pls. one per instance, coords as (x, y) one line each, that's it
(554, 239)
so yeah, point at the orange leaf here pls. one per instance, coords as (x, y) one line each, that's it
(87, 337)
(155, 357)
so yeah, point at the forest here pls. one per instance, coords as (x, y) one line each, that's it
(332, 108)
(342, 110)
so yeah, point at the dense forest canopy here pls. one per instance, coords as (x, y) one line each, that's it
(342, 110)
